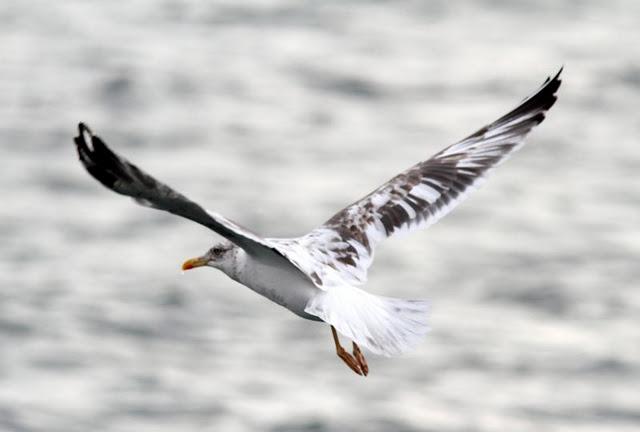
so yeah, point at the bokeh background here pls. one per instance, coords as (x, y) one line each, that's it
(277, 114)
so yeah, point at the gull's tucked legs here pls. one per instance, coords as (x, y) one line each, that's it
(344, 355)
(362, 362)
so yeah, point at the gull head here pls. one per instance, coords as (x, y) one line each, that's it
(220, 256)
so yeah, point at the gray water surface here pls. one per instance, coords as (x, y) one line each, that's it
(277, 114)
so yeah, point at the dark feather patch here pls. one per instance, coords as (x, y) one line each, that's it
(447, 176)
(122, 177)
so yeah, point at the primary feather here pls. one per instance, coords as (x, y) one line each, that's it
(421, 195)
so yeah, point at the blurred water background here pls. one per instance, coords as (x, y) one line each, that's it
(277, 114)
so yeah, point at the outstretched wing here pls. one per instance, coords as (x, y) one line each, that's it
(423, 194)
(123, 177)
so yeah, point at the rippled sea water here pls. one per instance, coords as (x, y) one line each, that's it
(277, 114)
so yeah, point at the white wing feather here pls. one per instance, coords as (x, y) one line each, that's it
(341, 251)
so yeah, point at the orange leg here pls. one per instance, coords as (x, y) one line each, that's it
(356, 362)
(364, 367)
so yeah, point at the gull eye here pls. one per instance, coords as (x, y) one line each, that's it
(217, 251)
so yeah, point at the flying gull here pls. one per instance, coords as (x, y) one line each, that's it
(318, 276)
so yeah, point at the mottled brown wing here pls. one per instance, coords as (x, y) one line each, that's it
(424, 193)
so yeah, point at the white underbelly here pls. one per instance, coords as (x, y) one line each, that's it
(281, 283)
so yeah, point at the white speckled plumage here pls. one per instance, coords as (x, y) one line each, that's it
(317, 276)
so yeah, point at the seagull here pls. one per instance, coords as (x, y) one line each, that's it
(319, 276)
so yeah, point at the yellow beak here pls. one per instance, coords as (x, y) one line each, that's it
(193, 263)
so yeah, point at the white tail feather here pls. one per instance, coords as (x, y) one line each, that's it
(384, 325)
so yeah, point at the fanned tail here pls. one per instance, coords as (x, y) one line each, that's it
(384, 325)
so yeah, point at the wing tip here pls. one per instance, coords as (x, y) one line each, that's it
(538, 103)
(551, 86)
(82, 128)
(84, 138)
(547, 95)
(99, 161)
(555, 77)
(81, 142)
(92, 144)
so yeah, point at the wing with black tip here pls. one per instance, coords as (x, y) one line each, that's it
(125, 178)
